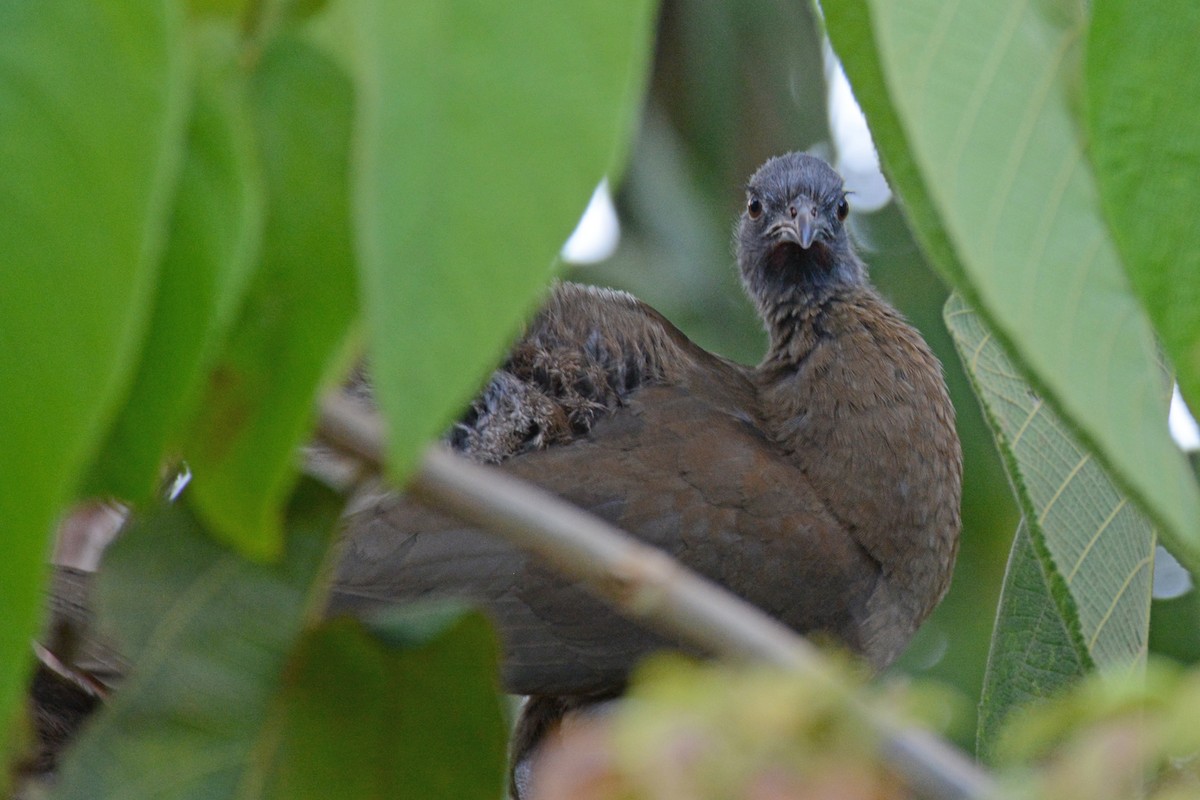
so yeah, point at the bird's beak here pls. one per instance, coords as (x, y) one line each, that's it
(802, 229)
(808, 230)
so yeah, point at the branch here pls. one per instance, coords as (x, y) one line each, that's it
(644, 584)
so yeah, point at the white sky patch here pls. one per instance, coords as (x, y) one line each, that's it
(182, 479)
(857, 160)
(598, 232)
(1170, 578)
(1184, 430)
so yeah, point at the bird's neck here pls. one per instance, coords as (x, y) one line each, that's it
(795, 289)
(795, 323)
(855, 397)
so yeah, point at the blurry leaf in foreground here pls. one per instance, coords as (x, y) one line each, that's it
(211, 249)
(481, 132)
(1143, 69)
(705, 732)
(411, 711)
(230, 695)
(208, 634)
(969, 105)
(298, 309)
(92, 110)
(1112, 737)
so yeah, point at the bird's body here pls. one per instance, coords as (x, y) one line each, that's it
(822, 485)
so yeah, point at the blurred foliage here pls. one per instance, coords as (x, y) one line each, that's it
(700, 732)
(686, 731)
(92, 111)
(1114, 736)
(211, 254)
(298, 309)
(279, 703)
(1147, 157)
(482, 130)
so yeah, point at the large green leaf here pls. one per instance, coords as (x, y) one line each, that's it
(212, 246)
(970, 107)
(1143, 74)
(299, 306)
(1034, 653)
(208, 634)
(406, 713)
(1095, 549)
(482, 130)
(92, 111)
(235, 692)
(1095, 544)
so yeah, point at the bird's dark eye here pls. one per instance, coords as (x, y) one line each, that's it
(843, 208)
(754, 208)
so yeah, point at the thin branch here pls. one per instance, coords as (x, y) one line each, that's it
(645, 584)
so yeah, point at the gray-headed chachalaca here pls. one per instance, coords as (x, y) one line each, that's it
(822, 485)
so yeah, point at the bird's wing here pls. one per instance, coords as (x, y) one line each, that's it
(584, 354)
(680, 467)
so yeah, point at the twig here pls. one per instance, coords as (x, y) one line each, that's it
(645, 584)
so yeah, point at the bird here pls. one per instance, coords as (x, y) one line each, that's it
(822, 484)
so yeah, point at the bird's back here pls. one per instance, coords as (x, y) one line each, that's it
(607, 405)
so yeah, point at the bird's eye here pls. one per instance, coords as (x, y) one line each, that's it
(754, 208)
(843, 208)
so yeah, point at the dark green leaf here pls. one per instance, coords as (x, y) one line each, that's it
(1097, 549)
(1033, 653)
(482, 131)
(213, 244)
(299, 307)
(359, 718)
(92, 110)
(1175, 627)
(208, 633)
(1077, 592)
(1143, 70)
(971, 104)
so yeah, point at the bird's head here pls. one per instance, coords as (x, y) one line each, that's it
(791, 240)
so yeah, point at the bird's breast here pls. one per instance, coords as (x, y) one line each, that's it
(866, 417)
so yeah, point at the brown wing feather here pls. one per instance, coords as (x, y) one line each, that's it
(670, 451)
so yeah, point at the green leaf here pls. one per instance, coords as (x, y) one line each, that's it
(1093, 542)
(208, 633)
(1142, 70)
(1094, 551)
(482, 131)
(216, 8)
(214, 236)
(294, 324)
(92, 111)
(971, 108)
(1034, 653)
(360, 718)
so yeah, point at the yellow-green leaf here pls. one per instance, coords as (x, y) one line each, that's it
(971, 106)
(298, 309)
(92, 112)
(1143, 72)
(482, 130)
(212, 247)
